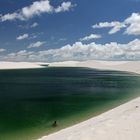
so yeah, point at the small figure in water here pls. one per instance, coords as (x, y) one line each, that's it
(54, 124)
(137, 106)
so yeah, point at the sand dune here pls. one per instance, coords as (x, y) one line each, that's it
(130, 66)
(19, 65)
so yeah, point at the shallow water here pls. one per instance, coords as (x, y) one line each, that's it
(31, 100)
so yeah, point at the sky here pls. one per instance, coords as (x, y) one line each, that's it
(66, 30)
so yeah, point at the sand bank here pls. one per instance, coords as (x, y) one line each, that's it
(130, 66)
(19, 65)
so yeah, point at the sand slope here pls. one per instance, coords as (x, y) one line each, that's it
(19, 65)
(131, 66)
(121, 123)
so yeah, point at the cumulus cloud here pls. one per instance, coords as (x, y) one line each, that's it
(80, 51)
(21, 37)
(35, 24)
(114, 25)
(90, 37)
(28, 26)
(35, 9)
(65, 6)
(10, 17)
(2, 50)
(131, 25)
(36, 44)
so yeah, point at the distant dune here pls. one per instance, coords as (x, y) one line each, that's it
(19, 65)
(130, 66)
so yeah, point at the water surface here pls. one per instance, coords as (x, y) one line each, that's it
(32, 99)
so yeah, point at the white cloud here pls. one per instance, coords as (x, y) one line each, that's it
(65, 6)
(2, 50)
(36, 44)
(36, 9)
(62, 39)
(131, 25)
(21, 37)
(35, 24)
(114, 25)
(10, 17)
(28, 26)
(80, 51)
(106, 24)
(90, 37)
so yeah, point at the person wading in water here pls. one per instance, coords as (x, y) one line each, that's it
(54, 124)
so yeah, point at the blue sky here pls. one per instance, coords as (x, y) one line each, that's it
(60, 30)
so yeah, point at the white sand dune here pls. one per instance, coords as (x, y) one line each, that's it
(130, 66)
(19, 65)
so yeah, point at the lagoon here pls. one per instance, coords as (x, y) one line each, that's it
(32, 99)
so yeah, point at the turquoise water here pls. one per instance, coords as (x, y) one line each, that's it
(31, 100)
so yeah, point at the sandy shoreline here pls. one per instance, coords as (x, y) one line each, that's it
(18, 65)
(120, 123)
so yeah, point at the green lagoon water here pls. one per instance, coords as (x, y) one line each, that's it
(32, 99)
